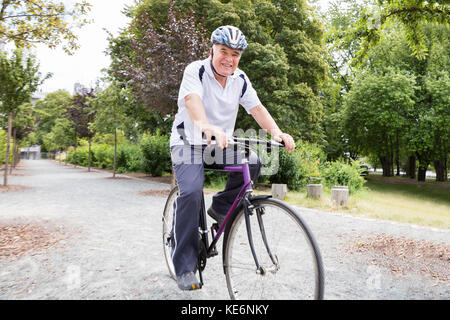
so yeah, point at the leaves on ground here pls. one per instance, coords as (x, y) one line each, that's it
(403, 256)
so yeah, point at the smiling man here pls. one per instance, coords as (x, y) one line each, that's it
(208, 101)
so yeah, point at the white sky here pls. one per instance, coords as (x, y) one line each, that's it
(85, 65)
(87, 62)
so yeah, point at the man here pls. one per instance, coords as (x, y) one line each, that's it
(208, 102)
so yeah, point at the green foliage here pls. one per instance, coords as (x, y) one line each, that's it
(103, 156)
(413, 15)
(61, 136)
(288, 171)
(47, 111)
(156, 153)
(129, 158)
(3, 135)
(374, 112)
(150, 155)
(81, 156)
(300, 167)
(285, 59)
(340, 173)
(29, 22)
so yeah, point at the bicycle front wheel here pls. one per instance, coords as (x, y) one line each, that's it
(167, 221)
(291, 265)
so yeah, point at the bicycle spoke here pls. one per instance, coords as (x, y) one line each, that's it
(285, 253)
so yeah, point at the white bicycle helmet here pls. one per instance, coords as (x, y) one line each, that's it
(229, 36)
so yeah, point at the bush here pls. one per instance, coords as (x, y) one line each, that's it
(288, 171)
(103, 156)
(300, 167)
(2, 146)
(129, 158)
(156, 154)
(340, 173)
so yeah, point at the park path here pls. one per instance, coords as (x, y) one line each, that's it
(103, 241)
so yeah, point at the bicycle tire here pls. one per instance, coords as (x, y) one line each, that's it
(298, 273)
(167, 220)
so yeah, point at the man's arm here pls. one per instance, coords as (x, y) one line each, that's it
(196, 111)
(265, 121)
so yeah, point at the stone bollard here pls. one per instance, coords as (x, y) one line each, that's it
(339, 195)
(314, 191)
(279, 191)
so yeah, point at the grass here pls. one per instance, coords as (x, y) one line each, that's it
(395, 198)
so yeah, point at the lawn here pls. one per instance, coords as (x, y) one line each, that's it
(394, 198)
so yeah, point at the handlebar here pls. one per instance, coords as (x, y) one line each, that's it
(247, 142)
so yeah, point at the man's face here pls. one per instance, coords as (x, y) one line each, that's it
(225, 60)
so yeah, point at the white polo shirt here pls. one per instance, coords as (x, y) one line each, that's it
(221, 104)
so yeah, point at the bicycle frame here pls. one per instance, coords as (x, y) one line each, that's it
(246, 188)
(242, 196)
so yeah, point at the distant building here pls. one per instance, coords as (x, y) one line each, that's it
(31, 153)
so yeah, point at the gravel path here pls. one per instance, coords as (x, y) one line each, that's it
(73, 234)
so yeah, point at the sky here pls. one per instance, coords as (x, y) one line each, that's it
(85, 65)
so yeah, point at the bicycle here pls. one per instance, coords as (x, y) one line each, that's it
(276, 257)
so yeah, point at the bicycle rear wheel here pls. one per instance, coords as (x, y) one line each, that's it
(290, 258)
(167, 220)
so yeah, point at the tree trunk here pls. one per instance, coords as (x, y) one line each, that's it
(423, 166)
(422, 173)
(17, 153)
(441, 169)
(13, 153)
(8, 141)
(386, 164)
(412, 167)
(115, 152)
(89, 156)
(397, 154)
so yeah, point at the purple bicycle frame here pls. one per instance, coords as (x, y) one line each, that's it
(247, 186)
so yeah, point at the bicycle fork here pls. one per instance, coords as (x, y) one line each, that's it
(248, 211)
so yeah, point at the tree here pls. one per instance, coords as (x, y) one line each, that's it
(160, 55)
(438, 87)
(29, 22)
(285, 58)
(81, 113)
(22, 125)
(412, 14)
(374, 112)
(47, 111)
(110, 106)
(339, 18)
(61, 135)
(425, 129)
(19, 78)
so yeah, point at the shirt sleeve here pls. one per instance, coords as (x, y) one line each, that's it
(250, 98)
(191, 82)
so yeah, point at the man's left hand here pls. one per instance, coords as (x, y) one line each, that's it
(289, 143)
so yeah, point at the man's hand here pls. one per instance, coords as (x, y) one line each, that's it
(218, 133)
(289, 143)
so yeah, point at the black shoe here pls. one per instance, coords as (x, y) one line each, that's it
(216, 216)
(188, 281)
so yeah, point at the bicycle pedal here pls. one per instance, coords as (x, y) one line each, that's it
(214, 253)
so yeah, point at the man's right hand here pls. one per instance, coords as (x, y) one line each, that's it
(218, 134)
